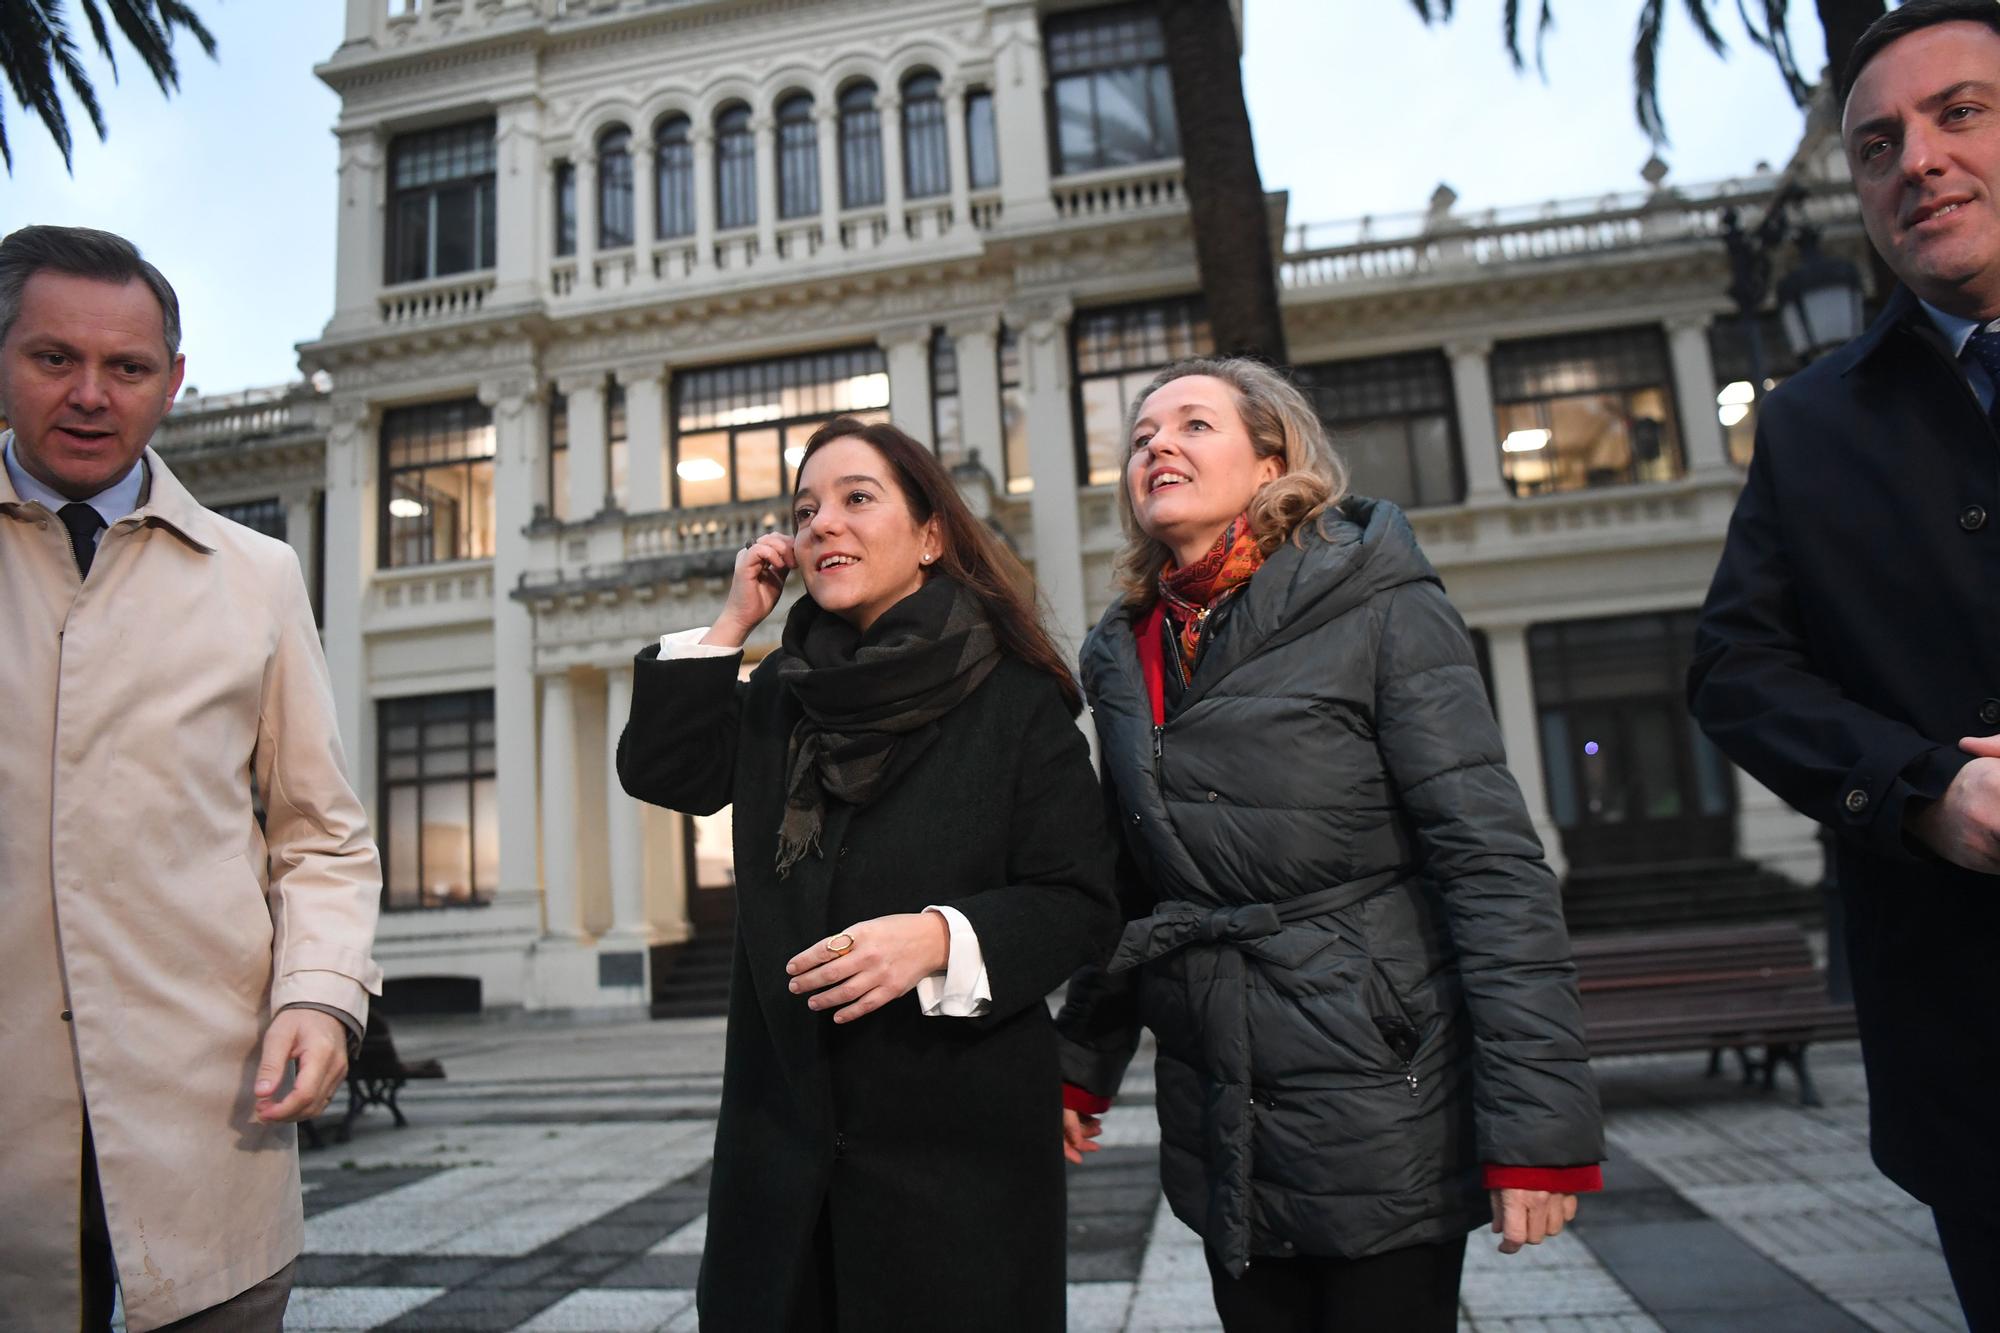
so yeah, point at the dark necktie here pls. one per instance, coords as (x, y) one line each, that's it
(1984, 348)
(83, 521)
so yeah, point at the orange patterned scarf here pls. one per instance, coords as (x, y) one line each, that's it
(1191, 595)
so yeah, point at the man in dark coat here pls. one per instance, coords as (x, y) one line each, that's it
(1849, 652)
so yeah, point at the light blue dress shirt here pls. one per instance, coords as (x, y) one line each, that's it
(1956, 332)
(114, 502)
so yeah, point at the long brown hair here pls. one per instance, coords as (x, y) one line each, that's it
(1281, 425)
(972, 555)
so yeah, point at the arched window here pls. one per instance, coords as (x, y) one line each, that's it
(735, 168)
(926, 159)
(860, 148)
(673, 169)
(614, 188)
(798, 157)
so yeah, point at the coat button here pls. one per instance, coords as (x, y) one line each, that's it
(1989, 712)
(66, 1017)
(843, 851)
(1972, 518)
(1211, 796)
(840, 1145)
(1856, 802)
(1135, 817)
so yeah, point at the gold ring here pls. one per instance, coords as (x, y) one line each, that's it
(839, 945)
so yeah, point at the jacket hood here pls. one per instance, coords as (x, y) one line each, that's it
(1355, 550)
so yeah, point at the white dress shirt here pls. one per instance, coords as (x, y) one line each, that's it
(962, 990)
(114, 502)
(1957, 332)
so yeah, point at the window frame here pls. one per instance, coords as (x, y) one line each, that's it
(616, 190)
(771, 377)
(735, 168)
(860, 138)
(674, 204)
(1422, 370)
(1620, 362)
(1191, 336)
(466, 527)
(478, 709)
(926, 136)
(474, 140)
(1075, 50)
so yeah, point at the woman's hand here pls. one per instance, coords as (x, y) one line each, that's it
(754, 588)
(891, 954)
(1528, 1217)
(1078, 1132)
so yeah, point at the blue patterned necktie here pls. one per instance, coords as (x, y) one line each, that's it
(1984, 347)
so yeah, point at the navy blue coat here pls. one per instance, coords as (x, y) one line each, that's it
(1851, 637)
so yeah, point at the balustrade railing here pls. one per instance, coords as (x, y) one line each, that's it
(434, 299)
(1155, 188)
(694, 531)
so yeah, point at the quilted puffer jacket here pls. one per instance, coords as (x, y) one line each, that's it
(1343, 933)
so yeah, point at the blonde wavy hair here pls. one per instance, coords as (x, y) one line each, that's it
(1281, 424)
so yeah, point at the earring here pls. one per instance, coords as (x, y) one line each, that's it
(926, 560)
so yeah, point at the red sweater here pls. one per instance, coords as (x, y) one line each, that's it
(1584, 1179)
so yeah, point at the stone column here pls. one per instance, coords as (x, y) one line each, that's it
(1703, 446)
(1478, 434)
(827, 125)
(1520, 728)
(302, 530)
(974, 346)
(704, 195)
(645, 208)
(589, 460)
(520, 247)
(562, 918)
(1052, 461)
(645, 437)
(351, 451)
(908, 349)
(586, 221)
(1020, 113)
(359, 270)
(891, 112)
(961, 161)
(765, 131)
(520, 431)
(626, 862)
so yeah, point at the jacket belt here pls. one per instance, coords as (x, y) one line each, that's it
(1258, 930)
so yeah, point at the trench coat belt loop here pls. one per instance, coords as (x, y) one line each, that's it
(1234, 934)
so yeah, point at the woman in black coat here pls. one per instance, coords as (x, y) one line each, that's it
(914, 810)
(1345, 938)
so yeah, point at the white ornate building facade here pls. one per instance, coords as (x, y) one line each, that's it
(604, 264)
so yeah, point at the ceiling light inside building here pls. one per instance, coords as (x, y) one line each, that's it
(1737, 393)
(404, 507)
(1732, 413)
(794, 456)
(700, 469)
(1525, 441)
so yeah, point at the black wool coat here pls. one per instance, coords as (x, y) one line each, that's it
(932, 1145)
(1355, 962)
(1851, 637)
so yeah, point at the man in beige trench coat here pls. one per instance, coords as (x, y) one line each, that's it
(163, 959)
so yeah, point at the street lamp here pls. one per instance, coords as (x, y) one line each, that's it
(1819, 301)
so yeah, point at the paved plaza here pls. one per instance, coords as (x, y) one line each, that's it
(556, 1181)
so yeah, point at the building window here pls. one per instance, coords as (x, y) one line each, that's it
(739, 431)
(1391, 418)
(614, 188)
(1118, 351)
(437, 462)
(441, 811)
(735, 169)
(615, 441)
(565, 208)
(1114, 105)
(860, 148)
(1630, 778)
(798, 158)
(266, 516)
(982, 140)
(926, 154)
(558, 457)
(673, 176)
(947, 428)
(1735, 397)
(1013, 415)
(1585, 409)
(441, 202)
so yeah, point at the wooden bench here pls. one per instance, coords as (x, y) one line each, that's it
(374, 1078)
(1714, 989)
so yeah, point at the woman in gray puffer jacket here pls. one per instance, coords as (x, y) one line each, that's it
(1342, 933)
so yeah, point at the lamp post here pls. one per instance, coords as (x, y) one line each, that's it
(1819, 300)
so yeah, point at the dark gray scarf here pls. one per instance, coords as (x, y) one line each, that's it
(872, 700)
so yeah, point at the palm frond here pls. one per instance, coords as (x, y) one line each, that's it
(1646, 70)
(101, 35)
(1433, 11)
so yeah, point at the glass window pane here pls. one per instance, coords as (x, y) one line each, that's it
(1076, 126)
(1103, 429)
(760, 469)
(1379, 461)
(860, 150)
(1434, 450)
(485, 837)
(404, 881)
(1124, 126)
(447, 854)
(982, 143)
(1561, 768)
(701, 469)
(1014, 439)
(410, 246)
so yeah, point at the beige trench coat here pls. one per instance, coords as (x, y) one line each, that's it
(147, 929)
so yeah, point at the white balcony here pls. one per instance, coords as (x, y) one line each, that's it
(429, 596)
(435, 300)
(1154, 189)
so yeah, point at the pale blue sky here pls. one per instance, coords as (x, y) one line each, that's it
(1357, 108)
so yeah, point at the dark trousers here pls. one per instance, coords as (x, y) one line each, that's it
(1971, 1244)
(260, 1309)
(1412, 1290)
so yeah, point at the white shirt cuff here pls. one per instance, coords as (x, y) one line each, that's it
(687, 643)
(962, 990)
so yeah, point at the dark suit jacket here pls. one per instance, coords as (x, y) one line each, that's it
(933, 1145)
(1851, 637)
